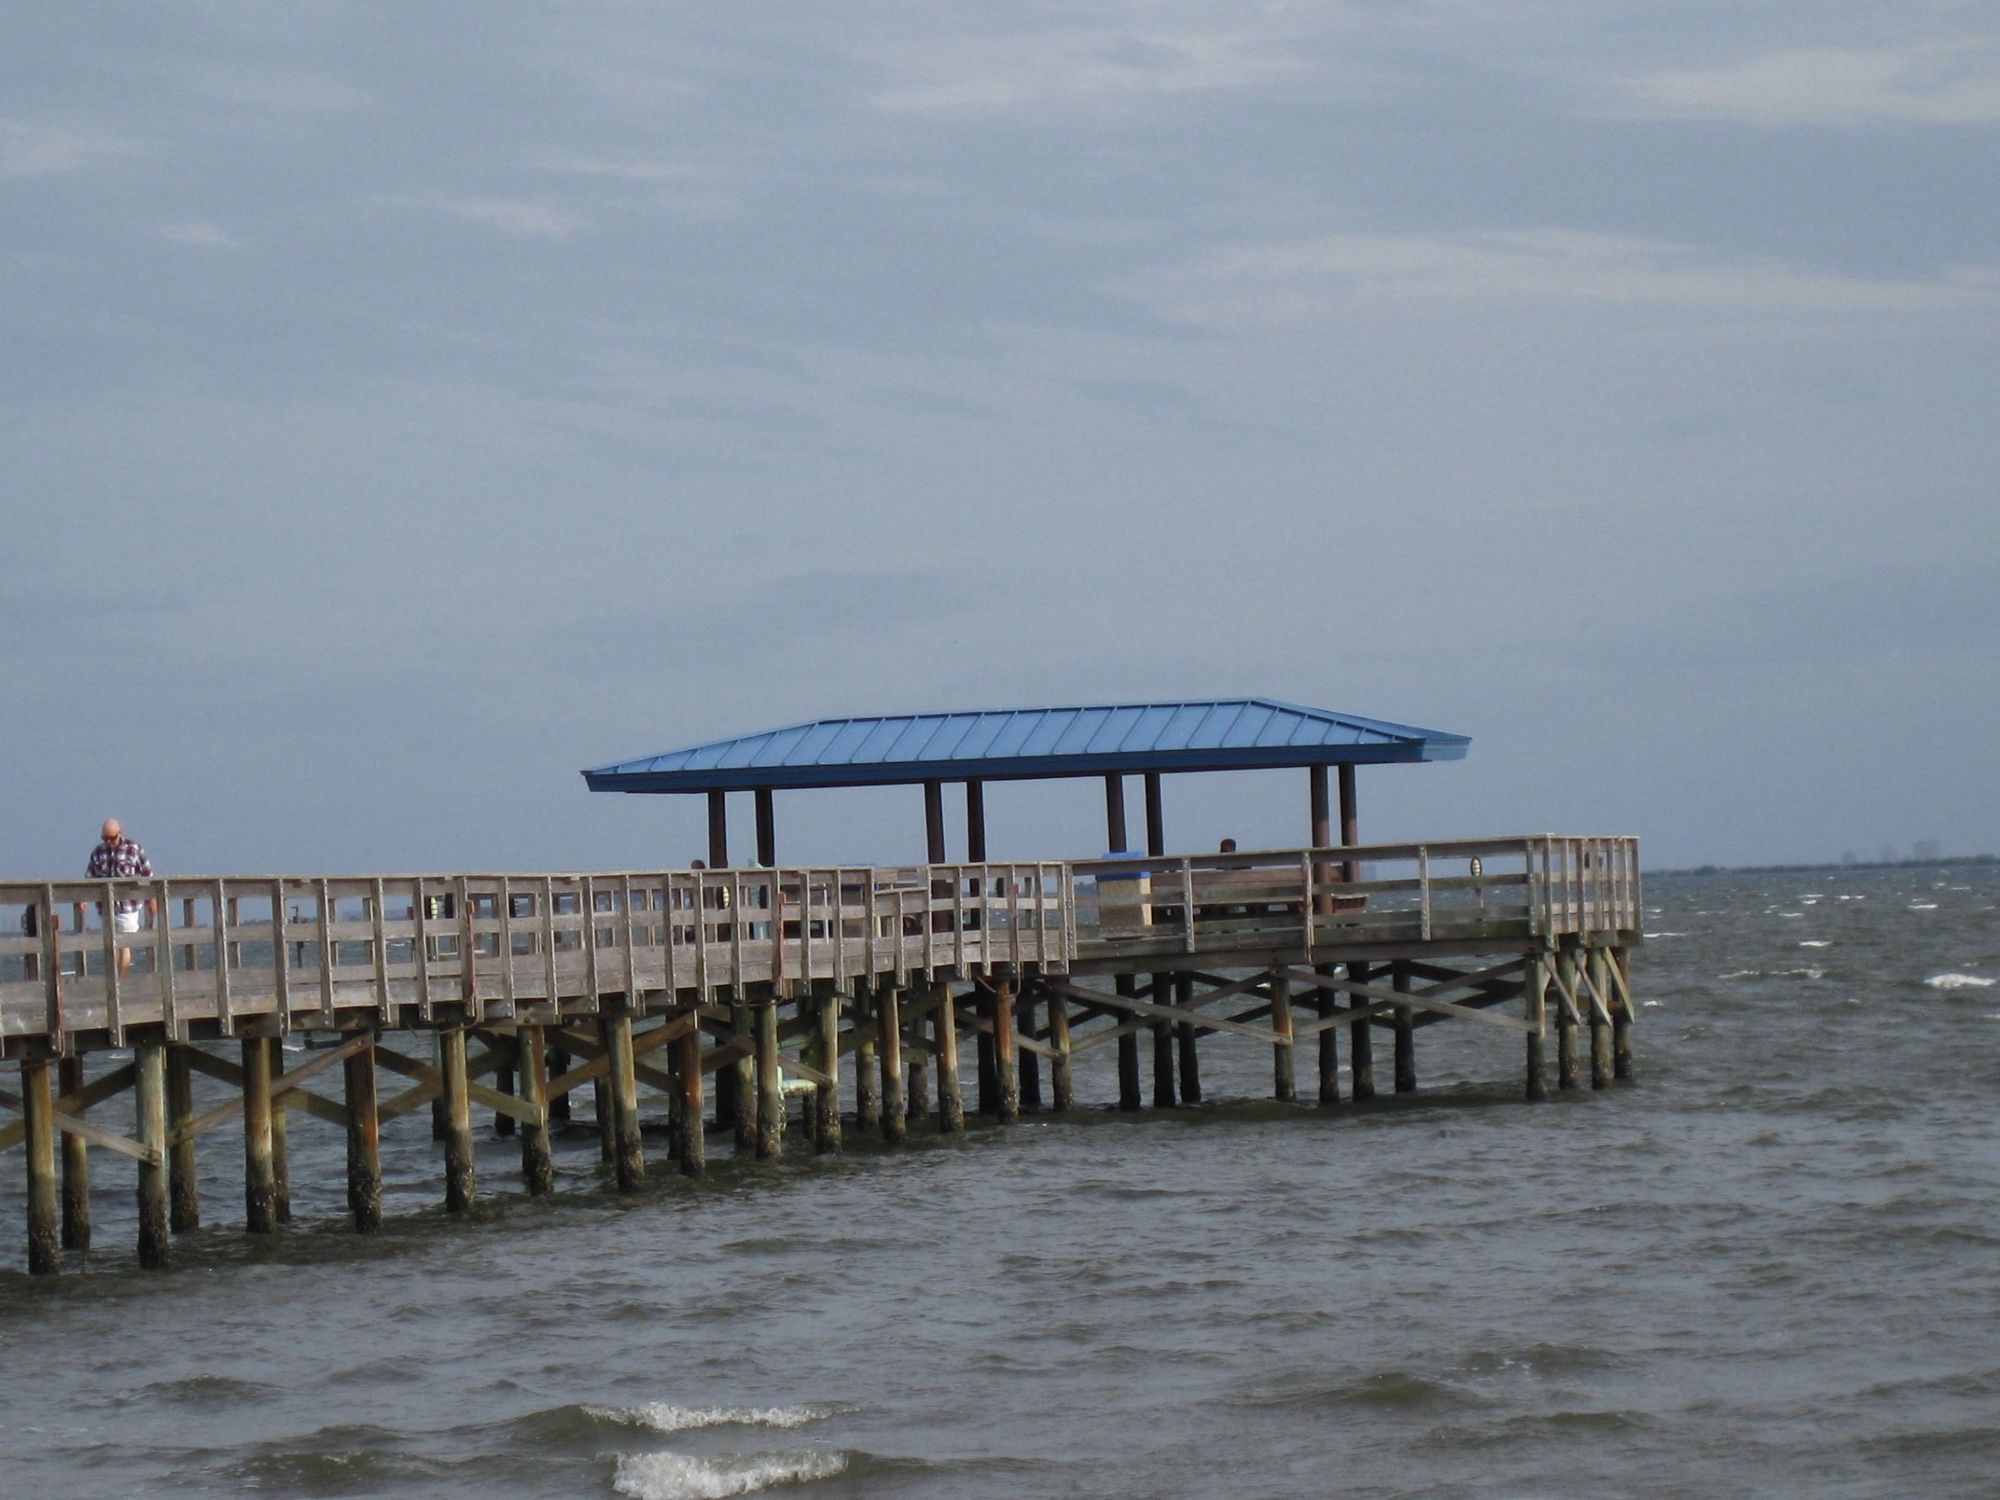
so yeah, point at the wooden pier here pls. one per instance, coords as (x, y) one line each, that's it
(505, 994)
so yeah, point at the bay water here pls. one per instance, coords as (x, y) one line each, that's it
(1769, 1265)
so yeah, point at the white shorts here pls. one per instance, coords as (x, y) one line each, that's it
(128, 921)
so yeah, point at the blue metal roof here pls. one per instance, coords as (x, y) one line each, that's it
(1213, 734)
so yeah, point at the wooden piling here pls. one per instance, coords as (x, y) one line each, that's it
(260, 1187)
(1535, 995)
(867, 1068)
(75, 1165)
(149, 1097)
(982, 1043)
(1600, 1022)
(559, 1106)
(1062, 1072)
(744, 1116)
(503, 1081)
(604, 1117)
(894, 1122)
(944, 1023)
(1404, 1017)
(458, 1168)
(1007, 1085)
(281, 1148)
(1164, 1058)
(1329, 1044)
(917, 1072)
(38, 1113)
(1128, 1053)
(1284, 1078)
(826, 1096)
(1621, 1016)
(694, 1137)
(1566, 971)
(628, 1157)
(1185, 1039)
(531, 1084)
(770, 1083)
(364, 1139)
(1360, 1048)
(1027, 1062)
(183, 1183)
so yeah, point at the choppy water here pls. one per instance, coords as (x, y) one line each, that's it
(1771, 1266)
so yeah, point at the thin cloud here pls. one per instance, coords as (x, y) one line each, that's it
(522, 217)
(291, 93)
(1336, 273)
(1091, 67)
(1934, 83)
(200, 235)
(35, 150)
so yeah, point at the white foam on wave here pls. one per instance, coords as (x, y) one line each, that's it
(1805, 973)
(1648, 1004)
(1652, 935)
(1960, 982)
(659, 1416)
(1815, 943)
(678, 1476)
(1741, 974)
(1923, 906)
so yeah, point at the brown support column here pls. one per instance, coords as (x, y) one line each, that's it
(889, 1023)
(1284, 1078)
(1186, 1035)
(1621, 1017)
(826, 1098)
(1007, 1092)
(1326, 1002)
(38, 1113)
(1062, 1074)
(743, 1077)
(260, 1193)
(982, 1042)
(867, 1068)
(770, 1083)
(628, 1157)
(1566, 1070)
(975, 821)
(934, 822)
(281, 1150)
(1600, 1023)
(1360, 1043)
(75, 1165)
(1115, 839)
(767, 829)
(531, 1071)
(364, 1141)
(458, 1172)
(1027, 1063)
(944, 1023)
(183, 1187)
(694, 1137)
(149, 1094)
(1405, 1017)
(718, 830)
(1535, 996)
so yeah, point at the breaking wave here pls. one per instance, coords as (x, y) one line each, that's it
(677, 1476)
(1960, 982)
(658, 1416)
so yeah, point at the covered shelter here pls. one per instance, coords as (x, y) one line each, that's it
(1111, 740)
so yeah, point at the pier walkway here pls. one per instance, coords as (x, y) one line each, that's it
(845, 978)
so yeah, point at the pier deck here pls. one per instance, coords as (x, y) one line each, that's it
(753, 974)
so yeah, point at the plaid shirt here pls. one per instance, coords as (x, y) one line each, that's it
(125, 862)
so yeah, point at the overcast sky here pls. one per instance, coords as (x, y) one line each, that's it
(402, 407)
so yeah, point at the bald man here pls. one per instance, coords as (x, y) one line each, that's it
(119, 858)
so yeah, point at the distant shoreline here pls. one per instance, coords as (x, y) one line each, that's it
(1943, 862)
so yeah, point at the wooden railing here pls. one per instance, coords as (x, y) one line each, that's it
(324, 952)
